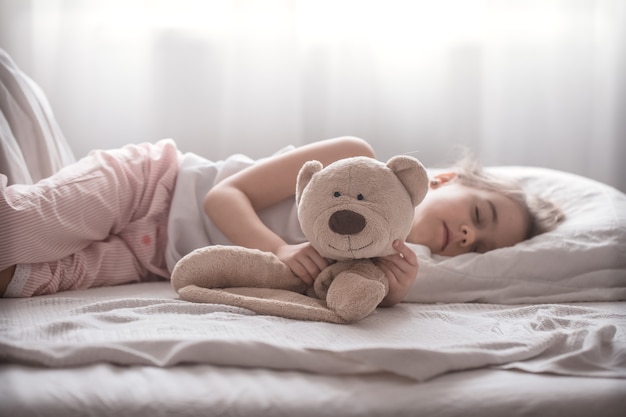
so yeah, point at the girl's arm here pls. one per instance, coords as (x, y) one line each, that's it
(233, 203)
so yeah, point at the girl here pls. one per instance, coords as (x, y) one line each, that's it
(129, 214)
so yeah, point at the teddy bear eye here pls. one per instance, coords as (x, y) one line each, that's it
(360, 197)
(336, 194)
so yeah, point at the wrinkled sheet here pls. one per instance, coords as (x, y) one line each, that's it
(145, 324)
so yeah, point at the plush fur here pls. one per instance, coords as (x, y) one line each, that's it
(351, 211)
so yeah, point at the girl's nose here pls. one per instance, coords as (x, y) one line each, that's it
(468, 236)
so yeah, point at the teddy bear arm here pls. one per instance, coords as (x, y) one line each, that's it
(232, 266)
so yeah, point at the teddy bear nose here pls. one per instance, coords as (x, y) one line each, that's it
(346, 222)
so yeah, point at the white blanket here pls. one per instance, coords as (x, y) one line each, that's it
(145, 324)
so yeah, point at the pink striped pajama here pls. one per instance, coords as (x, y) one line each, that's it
(101, 221)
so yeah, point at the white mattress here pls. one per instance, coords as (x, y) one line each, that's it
(83, 353)
(108, 390)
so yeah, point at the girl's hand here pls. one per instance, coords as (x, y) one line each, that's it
(401, 271)
(303, 260)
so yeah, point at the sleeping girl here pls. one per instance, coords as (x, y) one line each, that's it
(127, 215)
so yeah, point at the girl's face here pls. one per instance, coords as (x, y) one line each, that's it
(454, 219)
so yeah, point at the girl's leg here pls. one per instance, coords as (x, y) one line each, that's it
(102, 221)
(88, 201)
(105, 263)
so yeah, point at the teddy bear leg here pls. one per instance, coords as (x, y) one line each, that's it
(353, 297)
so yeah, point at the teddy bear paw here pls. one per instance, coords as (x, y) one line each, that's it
(353, 297)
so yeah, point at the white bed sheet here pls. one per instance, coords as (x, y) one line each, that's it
(145, 324)
(266, 386)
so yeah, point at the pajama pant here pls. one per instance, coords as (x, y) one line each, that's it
(101, 221)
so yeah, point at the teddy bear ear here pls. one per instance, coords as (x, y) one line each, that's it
(304, 177)
(412, 175)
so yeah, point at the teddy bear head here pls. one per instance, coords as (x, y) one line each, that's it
(356, 207)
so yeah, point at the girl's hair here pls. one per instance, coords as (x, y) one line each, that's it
(543, 215)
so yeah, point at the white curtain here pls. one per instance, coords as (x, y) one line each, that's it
(526, 82)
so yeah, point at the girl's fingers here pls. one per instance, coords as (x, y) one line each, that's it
(319, 261)
(392, 272)
(397, 261)
(310, 267)
(301, 272)
(406, 252)
(383, 266)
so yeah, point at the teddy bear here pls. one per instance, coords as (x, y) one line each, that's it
(350, 211)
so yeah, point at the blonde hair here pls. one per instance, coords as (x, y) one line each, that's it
(543, 215)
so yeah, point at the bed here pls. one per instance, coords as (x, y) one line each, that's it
(136, 351)
(536, 329)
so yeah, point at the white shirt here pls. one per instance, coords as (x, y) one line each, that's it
(190, 228)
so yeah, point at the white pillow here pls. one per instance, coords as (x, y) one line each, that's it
(584, 259)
